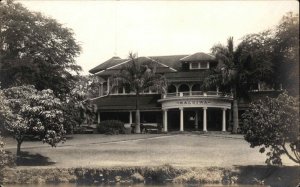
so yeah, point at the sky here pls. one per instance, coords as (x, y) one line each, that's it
(151, 28)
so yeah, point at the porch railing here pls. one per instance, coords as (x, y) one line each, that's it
(197, 93)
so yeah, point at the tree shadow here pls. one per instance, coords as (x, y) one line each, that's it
(28, 159)
(275, 176)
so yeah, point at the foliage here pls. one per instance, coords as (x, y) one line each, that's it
(111, 127)
(285, 52)
(273, 123)
(5, 111)
(139, 74)
(4, 157)
(238, 69)
(34, 113)
(35, 50)
(77, 106)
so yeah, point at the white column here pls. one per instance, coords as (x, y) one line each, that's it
(108, 86)
(181, 119)
(204, 119)
(224, 120)
(123, 90)
(196, 119)
(99, 120)
(165, 118)
(176, 90)
(101, 91)
(130, 117)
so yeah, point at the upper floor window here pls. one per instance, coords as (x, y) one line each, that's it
(199, 65)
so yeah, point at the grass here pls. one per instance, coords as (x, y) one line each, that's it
(176, 158)
(179, 150)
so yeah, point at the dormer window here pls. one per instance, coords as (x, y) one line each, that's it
(199, 65)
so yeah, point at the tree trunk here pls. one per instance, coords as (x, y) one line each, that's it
(19, 142)
(235, 112)
(235, 116)
(137, 114)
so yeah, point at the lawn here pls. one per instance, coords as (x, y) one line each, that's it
(180, 150)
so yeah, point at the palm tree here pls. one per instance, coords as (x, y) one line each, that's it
(139, 75)
(237, 70)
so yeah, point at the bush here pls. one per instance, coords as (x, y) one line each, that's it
(6, 159)
(111, 127)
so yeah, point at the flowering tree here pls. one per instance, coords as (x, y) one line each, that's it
(34, 113)
(4, 114)
(273, 124)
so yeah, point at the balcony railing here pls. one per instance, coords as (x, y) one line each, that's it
(197, 94)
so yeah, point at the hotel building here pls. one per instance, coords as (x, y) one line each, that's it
(185, 106)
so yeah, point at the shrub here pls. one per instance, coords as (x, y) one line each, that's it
(111, 127)
(273, 125)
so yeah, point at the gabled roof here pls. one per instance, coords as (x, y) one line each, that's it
(107, 64)
(173, 61)
(198, 57)
(160, 67)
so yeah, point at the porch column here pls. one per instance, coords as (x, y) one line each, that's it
(224, 120)
(196, 119)
(130, 117)
(181, 119)
(177, 89)
(204, 119)
(101, 90)
(123, 90)
(98, 118)
(165, 118)
(108, 86)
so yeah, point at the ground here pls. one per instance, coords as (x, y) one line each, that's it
(180, 150)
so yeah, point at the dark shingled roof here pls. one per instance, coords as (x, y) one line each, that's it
(127, 102)
(198, 57)
(107, 64)
(173, 61)
(160, 68)
(166, 63)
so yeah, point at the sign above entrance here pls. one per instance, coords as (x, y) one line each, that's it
(193, 102)
(178, 102)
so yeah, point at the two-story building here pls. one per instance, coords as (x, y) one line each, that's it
(185, 106)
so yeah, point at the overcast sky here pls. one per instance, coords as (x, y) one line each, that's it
(108, 28)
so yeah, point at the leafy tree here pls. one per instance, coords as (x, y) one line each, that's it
(77, 106)
(139, 75)
(34, 113)
(4, 115)
(35, 50)
(273, 124)
(285, 56)
(239, 69)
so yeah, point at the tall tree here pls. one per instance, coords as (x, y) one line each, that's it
(238, 69)
(35, 50)
(285, 56)
(139, 75)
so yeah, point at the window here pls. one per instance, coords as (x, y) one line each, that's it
(199, 65)
(204, 65)
(194, 65)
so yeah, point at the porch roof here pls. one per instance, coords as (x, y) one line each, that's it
(127, 102)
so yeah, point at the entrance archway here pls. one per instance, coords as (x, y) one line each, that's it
(184, 88)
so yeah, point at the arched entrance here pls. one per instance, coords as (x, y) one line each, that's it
(184, 88)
